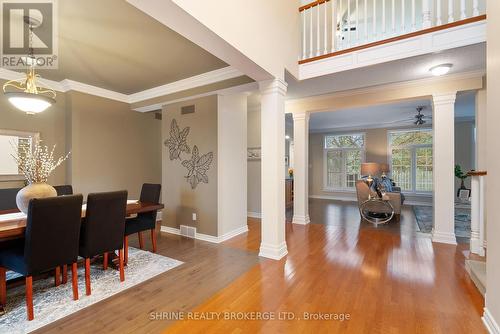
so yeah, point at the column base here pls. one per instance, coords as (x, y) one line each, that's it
(444, 237)
(301, 220)
(476, 247)
(273, 252)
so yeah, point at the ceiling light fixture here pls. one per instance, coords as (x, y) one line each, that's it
(26, 95)
(441, 69)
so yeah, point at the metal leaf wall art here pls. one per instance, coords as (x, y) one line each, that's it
(198, 167)
(177, 142)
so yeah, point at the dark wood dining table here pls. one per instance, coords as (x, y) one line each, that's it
(13, 222)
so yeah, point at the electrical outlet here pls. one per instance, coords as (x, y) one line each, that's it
(194, 216)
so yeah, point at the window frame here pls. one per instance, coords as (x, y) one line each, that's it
(22, 134)
(326, 187)
(413, 152)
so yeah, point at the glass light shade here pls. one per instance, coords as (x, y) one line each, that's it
(440, 69)
(29, 103)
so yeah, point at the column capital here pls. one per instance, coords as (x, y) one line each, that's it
(444, 98)
(300, 115)
(273, 86)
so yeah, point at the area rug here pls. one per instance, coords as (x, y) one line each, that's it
(53, 303)
(424, 214)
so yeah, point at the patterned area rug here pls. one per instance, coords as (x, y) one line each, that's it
(51, 303)
(423, 214)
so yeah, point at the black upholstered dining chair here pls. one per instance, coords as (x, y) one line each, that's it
(144, 221)
(63, 190)
(8, 198)
(102, 229)
(43, 247)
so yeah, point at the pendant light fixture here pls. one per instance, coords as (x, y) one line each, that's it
(24, 94)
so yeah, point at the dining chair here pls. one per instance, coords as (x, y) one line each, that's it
(102, 229)
(144, 221)
(8, 198)
(43, 248)
(65, 189)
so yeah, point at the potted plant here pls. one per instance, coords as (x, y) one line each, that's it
(462, 176)
(36, 164)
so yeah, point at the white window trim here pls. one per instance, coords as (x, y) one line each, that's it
(414, 162)
(327, 188)
(6, 132)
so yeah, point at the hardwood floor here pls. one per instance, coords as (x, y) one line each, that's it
(388, 279)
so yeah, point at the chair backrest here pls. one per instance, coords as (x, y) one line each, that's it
(362, 191)
(150, 193)
(52, 232)
(63, 190)
(104, 225)
(8, 198)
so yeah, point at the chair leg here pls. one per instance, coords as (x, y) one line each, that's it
(74, 280)
(87, 277)
(153, 239)
(125, 247)
(105, 261)
(57, 276)
(29, 297)
(122, 273)
(3, 287)
(65, 274)
(141, 241)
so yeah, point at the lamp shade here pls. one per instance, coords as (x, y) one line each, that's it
(384, 168)
(370, 168)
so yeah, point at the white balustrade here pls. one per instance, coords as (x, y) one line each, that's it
(477, 213)
(332, 25)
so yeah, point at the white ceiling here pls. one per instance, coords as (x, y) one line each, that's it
(465, 59)
(387, 115)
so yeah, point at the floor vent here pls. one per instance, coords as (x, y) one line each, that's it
(188, 231)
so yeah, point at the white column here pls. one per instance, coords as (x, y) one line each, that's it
(273, 244)
(443, 126)
(477, 214)
(300, 170)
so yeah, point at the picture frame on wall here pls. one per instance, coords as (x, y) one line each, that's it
(254, 153)
(463, 195)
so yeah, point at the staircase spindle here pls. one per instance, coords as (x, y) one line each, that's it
(304, 42)
(348, 23)
(463, 16)
(357, 21)
(426, 14)
(366, 20)
(414, 16)
(393, 14)
(325, 28)
(310, 33)
(341, 25)
(318, 34)
(451, 15)
(374, 19)
(403, 16)
(334, 24)
(438, 13)
(475, 8)
(383, 17)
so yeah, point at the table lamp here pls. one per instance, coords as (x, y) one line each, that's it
(370, 169)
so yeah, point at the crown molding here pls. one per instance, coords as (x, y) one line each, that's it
(177, 86)
(184, 84)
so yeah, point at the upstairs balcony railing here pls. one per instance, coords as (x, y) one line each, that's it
(333, 27)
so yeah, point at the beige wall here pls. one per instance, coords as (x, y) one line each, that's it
(113, 147)
(253, 166)
(493, 161)
(51, 125)
(377, 151)
(180, 200)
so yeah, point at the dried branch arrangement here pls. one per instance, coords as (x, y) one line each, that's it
(35, 161)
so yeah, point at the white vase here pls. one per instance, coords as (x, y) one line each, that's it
(34, 190)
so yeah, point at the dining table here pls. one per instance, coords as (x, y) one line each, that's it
(13, 222)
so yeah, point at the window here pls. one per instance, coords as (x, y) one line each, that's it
(8, 141)
(411, 159)
(343, 155)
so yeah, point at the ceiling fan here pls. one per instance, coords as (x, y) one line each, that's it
(418, 119)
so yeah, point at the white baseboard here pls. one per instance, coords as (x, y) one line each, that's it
(206, 237)
(273, 252)
(443, 237)
(254, 215)
(336, 197)
(490, 323)
(301, 220)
